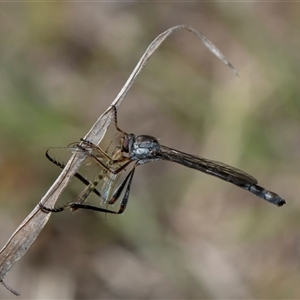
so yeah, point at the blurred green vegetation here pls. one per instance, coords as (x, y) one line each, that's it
(184, 234)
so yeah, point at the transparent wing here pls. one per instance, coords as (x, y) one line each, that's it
(106, 180)
(107, 186)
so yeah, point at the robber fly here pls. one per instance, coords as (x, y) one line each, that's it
(144, 149)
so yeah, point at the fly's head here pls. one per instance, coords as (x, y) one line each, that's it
(140, 147)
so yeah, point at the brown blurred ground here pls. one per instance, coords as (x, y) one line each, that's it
(184, 234)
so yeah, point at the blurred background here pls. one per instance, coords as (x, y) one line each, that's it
(184, 234)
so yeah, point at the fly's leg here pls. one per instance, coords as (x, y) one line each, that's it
(90, 188)
(116, 120)
(79, 204)
(77, 175)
